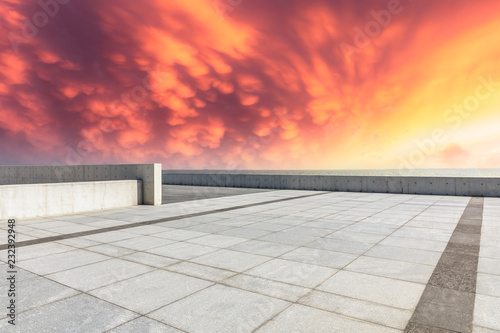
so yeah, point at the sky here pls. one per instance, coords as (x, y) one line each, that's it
(251, 84)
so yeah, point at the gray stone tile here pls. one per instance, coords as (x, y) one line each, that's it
(40, 250)
(209, 228)
(150, 259)
(150, 291)
(144, 325)
(99, 274)
(245, 232)
(268, 226)
(110, 250)
(420, 244)
(391, 292)
(112, 236)
(78, 242)
(300, 274)
(143, 243)
(489, 266)
(220, 309)
(339, 245)
(61, 261)
(34, 292)
(455, 271)
(284, 237)
(320, 257)
(81, 313)
(445, 308)
(488, 284)
(404, 254)
(149, 229)
(391, 269)
(363, 310)
(217, 240)
(462, 249)
(486, 312)
(465, 238)
(180, 235)
(300, 319)
(262, 248)
(479, 329)
(201, 271)
(231, 260)
(490, 252)
(184, 251)
(414, 327)
(259, 285)
(309, 231)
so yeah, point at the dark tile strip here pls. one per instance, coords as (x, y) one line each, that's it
(138, 224)
(447, 303)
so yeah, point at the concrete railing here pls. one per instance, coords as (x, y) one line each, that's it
(459, 186)
(41, 200)
(150, 174)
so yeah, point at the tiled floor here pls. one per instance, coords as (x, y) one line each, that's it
(332, 262)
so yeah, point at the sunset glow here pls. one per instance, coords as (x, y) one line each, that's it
(251, 84)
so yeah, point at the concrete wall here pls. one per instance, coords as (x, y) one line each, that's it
(150, 174)
(40, 200)
(488, 187)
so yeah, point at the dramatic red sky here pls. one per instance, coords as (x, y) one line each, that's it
(251, 84)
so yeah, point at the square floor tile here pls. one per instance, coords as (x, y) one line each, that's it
(300, 319)
(262, 248)
(391, 292)
(220, 309)
(144, 325)
(320, 257)
(99, 274)
(392, 269)
(200, 271)
(300, 274)
(78, 314)
(259, 285)
(486, 312)
(36, 292)
(150, 291)
(217, 240)
(61, 261)
(181, 250)
(231, 260)
(356, 308)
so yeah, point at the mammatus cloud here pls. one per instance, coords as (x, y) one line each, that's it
(249, 84)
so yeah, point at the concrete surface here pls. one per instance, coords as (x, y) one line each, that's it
(150, 174)
(41, 200)
(458, 186)
(275, 261)
(180, 193)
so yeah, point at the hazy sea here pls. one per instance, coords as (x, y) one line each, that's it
(482, 173)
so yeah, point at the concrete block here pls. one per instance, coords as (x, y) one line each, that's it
(374, 184)
(292, 182)
(24, 174)
(397, 185)
(491, 187)
(349, 183)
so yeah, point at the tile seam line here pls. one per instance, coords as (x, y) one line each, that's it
(151, 222)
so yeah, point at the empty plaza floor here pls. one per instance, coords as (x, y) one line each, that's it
(261, 261)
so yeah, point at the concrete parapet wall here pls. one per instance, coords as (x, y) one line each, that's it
(150, 174)
(40, 200)
(487, 187)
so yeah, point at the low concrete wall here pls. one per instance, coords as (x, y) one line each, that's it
(150, 174)
(40, 200)
(488, 187)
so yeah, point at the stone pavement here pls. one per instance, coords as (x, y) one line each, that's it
(270, 261)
